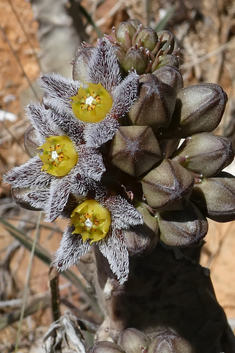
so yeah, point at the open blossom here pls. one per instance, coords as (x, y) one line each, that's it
(96, 101)
(64, 165)
(100, 223)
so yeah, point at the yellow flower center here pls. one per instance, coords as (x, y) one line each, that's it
(91, 220)
(91, 104)
(59, 155)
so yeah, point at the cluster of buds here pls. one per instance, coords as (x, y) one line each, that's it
(142, 49)
(135, 341)
(106, 151)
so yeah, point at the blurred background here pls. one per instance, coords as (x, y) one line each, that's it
(43, 36)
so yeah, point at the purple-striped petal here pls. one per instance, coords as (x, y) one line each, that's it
(28, 175)
(70, 251)
(123, 213)
(59, 88)
(104, 67)
(124, 96)
(42, 122)
(91, 163)
(99, 133)
(115, 251)
(71, 126)
(59, 194)
(30, 199)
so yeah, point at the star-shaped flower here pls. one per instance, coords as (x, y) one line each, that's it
(64, 165)
(63, 177)
(97, 100)
(100, 223)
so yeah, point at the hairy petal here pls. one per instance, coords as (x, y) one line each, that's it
(70, 251)
(91, 163)
(104, 67)
(114, 249)
(57, 106)
(124, 95)
(72, 203)
(59, 194)
(28, 175)
(71, 126)
(79, 186)
(99, 133)
(123, 213)
(98, 189)
(60, 88)
(31, 199)
(41, 121)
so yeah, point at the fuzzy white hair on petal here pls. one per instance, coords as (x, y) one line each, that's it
(115, 250)
(59, 194)
(59, 88)
(104, 67)
(58, 106)
(70, 126)
(98, 189)
(30, 199)
(125, 95)
(70, 251)
(28, 175)
(99, 133)
(91, 163)
(37, 198)
(123, 213)
(42, 122)
(79, 188)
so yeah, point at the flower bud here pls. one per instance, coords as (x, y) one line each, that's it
(133, 341)
(135, 59)
(198, 109)
(168, 186)
(155, 104)
(123, 30)
(142, 239)
(167, 41)
(170, 75)
(169, 342)
(120, 52)
(80, 64)
(205, 154)
(147, 38)
(216, 197)
(134, 149)
(182, 228)
(169, 146)
(149, 220)
(135, 23)
(163, 60)
(105, 347)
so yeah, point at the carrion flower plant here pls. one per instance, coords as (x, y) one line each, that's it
(107, 154)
